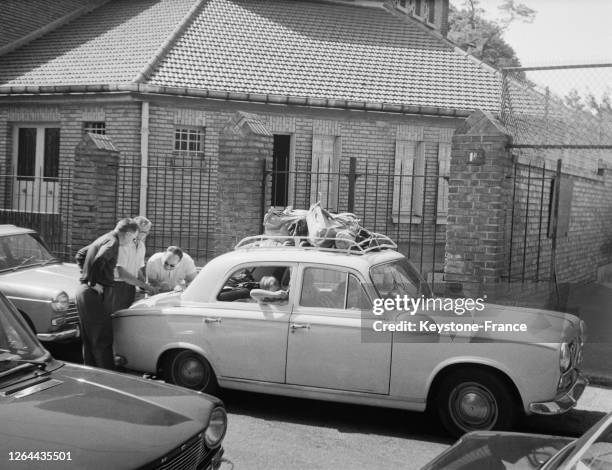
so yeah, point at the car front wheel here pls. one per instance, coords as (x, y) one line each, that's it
(190, 370)
(475, 400)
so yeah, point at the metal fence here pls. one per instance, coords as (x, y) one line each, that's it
(394, 199)
(180, 202)
(42, 204)
(532, 224)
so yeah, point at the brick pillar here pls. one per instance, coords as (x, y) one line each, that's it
(94, 201)
(245, 146)
(480, 193)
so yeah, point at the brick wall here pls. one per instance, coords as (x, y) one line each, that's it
(370, 137)
(245, 147)
(479, 195)
(95, 196)
(122, 126)
(498, 226)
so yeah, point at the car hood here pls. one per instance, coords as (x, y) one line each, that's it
(41, 281)
(478, 450)
(540, 326)
(104, 419)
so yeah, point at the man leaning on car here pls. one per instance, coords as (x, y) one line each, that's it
(97, 262)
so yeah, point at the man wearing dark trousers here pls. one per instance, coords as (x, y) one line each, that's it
(94, 298)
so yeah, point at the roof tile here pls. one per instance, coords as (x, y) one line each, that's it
(111, 44)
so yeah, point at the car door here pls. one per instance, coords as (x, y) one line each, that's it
(326, 346)
(244, 338)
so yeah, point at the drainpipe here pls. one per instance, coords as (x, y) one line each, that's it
(144, 157)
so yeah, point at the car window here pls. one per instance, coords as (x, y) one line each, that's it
(356, 296)
(22, 250)
(398, 278)
(238, 286)
(323, 288)
(599, 454)
(16, 340)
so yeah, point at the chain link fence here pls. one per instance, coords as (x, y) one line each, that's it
(558, 107)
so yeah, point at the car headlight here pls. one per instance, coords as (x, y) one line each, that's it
(217, 426)
(60, 302)
(565, 357)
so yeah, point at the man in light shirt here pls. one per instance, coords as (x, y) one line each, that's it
(129, 273)
(170, 270)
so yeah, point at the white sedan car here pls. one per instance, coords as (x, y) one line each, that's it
(327, 338)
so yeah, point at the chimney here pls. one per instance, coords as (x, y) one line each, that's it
(433, 13)
(441, 16)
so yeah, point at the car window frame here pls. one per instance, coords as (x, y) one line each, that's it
(571, 454)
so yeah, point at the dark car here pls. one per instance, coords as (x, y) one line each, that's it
(55, 413)
(504, 450)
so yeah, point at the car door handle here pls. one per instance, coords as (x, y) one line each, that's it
(300, 326)
(212, 320)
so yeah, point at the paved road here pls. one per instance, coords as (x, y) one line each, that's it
(269, 432)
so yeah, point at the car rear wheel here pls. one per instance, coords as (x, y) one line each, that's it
(190, 370)
(473, 400)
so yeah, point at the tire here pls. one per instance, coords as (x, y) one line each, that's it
(190, 370)
(475, 400)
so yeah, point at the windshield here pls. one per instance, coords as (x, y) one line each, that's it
(24, 249)
(17, 342)
(398, 277)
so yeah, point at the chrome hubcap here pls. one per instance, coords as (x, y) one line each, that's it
(192, 372)
(472, 406)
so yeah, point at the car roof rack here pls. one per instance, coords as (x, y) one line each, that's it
(375, 242)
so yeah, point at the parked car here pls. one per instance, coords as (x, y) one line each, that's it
(55, 413)
(319, 341)
(486, 449)
(39, 284)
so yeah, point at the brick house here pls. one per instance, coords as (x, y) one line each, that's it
(197, 95)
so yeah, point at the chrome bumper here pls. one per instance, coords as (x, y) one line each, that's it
(562, 403)
(72, 333)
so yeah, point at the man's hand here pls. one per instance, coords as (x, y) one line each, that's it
(149, 289)
(99, 288)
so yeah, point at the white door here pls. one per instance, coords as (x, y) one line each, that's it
(246, 339)
(328, 344)
(36, 166)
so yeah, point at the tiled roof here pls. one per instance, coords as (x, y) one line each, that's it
(111, 44)
(292, 48)
(22, 17)
(322, 50)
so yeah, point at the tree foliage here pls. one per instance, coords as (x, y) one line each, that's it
(482, 37)
(598, 106)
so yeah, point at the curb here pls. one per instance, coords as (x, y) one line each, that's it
(599, 380)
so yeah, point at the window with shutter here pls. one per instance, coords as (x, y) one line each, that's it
(326, 153)
(409, 176)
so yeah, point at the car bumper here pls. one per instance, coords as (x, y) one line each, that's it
(72, 333)
(561, 403)
(218, 462)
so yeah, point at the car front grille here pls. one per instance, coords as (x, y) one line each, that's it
(192, 455)
(72, 315)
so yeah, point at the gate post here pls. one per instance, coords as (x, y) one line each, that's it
(479, 195)
(94, 202)
(245, 151)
